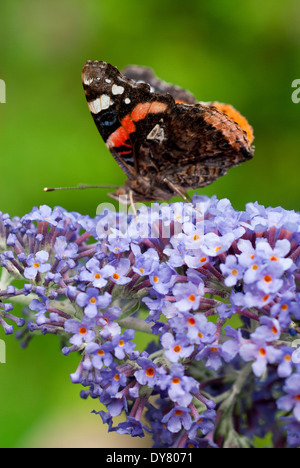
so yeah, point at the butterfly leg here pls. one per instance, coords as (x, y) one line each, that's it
(183, 195)
(177, 190)
(132, 203)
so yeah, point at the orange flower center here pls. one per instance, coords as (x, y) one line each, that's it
(82, 331)
(267, 279)
(202, 259)
(234, 272)
(121, 343)
(192, 297)
(116, 276)
(262, 352)
(150, 372)
(100, 352)
(177, 349)
(175, 380)
(155, 279)
(273, 258)
(97, 276)
(36, 265)
(191, 321)
(93, 300)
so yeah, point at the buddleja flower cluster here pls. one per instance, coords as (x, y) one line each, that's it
(210, 294)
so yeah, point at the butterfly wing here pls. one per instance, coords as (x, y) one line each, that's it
(164, 140)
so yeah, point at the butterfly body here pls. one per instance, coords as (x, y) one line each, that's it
(163, 139)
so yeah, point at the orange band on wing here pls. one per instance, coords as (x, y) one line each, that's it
(140, 111)
(117, 138)
(128, 124)
(121, 135)
(157, 107)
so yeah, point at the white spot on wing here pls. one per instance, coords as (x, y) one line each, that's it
(117, 89)
(157, 133)
(94, 106)
(127, 101)
(88, 80)
(108, 80)
(103, 102)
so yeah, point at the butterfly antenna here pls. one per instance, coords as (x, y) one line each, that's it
(81, 187)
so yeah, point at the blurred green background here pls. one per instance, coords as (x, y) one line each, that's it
(243, 53)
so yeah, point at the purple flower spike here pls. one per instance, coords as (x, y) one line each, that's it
(216, 287)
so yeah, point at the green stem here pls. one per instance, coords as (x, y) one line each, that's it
(237, 388)
(136, 324)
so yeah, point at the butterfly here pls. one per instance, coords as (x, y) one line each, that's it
(164, 140)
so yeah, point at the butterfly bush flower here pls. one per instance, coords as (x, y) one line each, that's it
(184, 317)
(37, 264)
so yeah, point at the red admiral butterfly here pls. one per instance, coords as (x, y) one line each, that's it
(163, 139)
